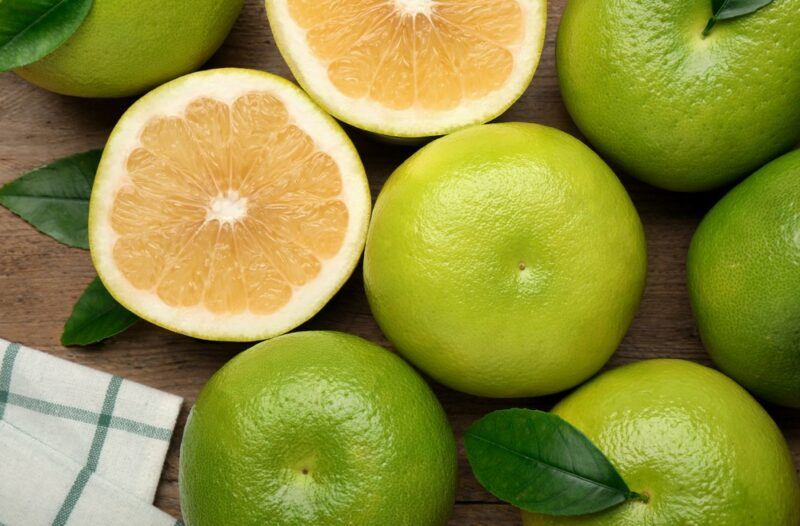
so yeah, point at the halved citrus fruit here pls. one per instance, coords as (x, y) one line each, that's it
(227, 206)
(411, 68)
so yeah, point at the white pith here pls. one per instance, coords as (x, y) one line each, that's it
(229, 207)
(170, 100)
(415, 7)
(415, 121)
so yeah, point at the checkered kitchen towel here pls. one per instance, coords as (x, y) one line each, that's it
(78, 447)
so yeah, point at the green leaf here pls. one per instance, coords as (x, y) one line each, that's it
(540, 463)
(55, 198)
(32, 29)
(95, 317)
(727, 9)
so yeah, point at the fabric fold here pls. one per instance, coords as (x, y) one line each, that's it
(91, 445)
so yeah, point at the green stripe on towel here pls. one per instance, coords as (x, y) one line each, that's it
(82, 415)
(96, 450)
(6, 370)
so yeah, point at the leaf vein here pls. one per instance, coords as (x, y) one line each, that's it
(34, 23)
(542, 462)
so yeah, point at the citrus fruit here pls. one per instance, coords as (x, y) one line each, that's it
(124, 48)
(317, 428)
(227, 206)
(505, 260)
(699, 448)
(667, 104)
(411, 68)
(744, 278)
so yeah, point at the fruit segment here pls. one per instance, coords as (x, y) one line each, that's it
(430, 54)
(229, 207)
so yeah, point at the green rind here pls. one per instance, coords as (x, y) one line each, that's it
(449, 230)
(694, 442)
(675, 109)
(744, 282)
(373, 440)
(126, 47)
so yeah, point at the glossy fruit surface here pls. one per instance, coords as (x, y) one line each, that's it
(127, 47)
(505, 260)
(668, 105)
(693, 441)
(744, 281)
(317, 428)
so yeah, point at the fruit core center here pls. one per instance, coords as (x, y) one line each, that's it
(229, 207)
(522, 266)
(415, 7)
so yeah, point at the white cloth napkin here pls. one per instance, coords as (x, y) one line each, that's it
(78, 446)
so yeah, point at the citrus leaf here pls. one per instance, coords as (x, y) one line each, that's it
(55, 198)
(728, 9)
(32, 29)
(540, 463)
(95, 317)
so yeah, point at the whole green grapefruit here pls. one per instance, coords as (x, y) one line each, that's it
(744, 281)
(505, 260)
(672, 107)
(317, 428)
(697, 445)
(125, 47)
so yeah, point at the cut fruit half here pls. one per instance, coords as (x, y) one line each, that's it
(227, 206)
(411, 68)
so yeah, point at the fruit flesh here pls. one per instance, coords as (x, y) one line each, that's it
(229, 207)
(413, 53)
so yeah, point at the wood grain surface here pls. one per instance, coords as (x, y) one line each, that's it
(41, 279)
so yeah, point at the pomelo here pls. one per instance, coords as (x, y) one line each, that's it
(411, 68)
(317, 428)
(505, 260)
(227, 206)
(744, 280)
(700, 449)
(124, 48)
(670, 106)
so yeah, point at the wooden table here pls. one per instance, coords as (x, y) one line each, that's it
(41, 279)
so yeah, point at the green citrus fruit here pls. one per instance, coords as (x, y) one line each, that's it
(744, 280)
(669, 105)
(124, 48)
(692, 441)
(505, 260)
(317, 428)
